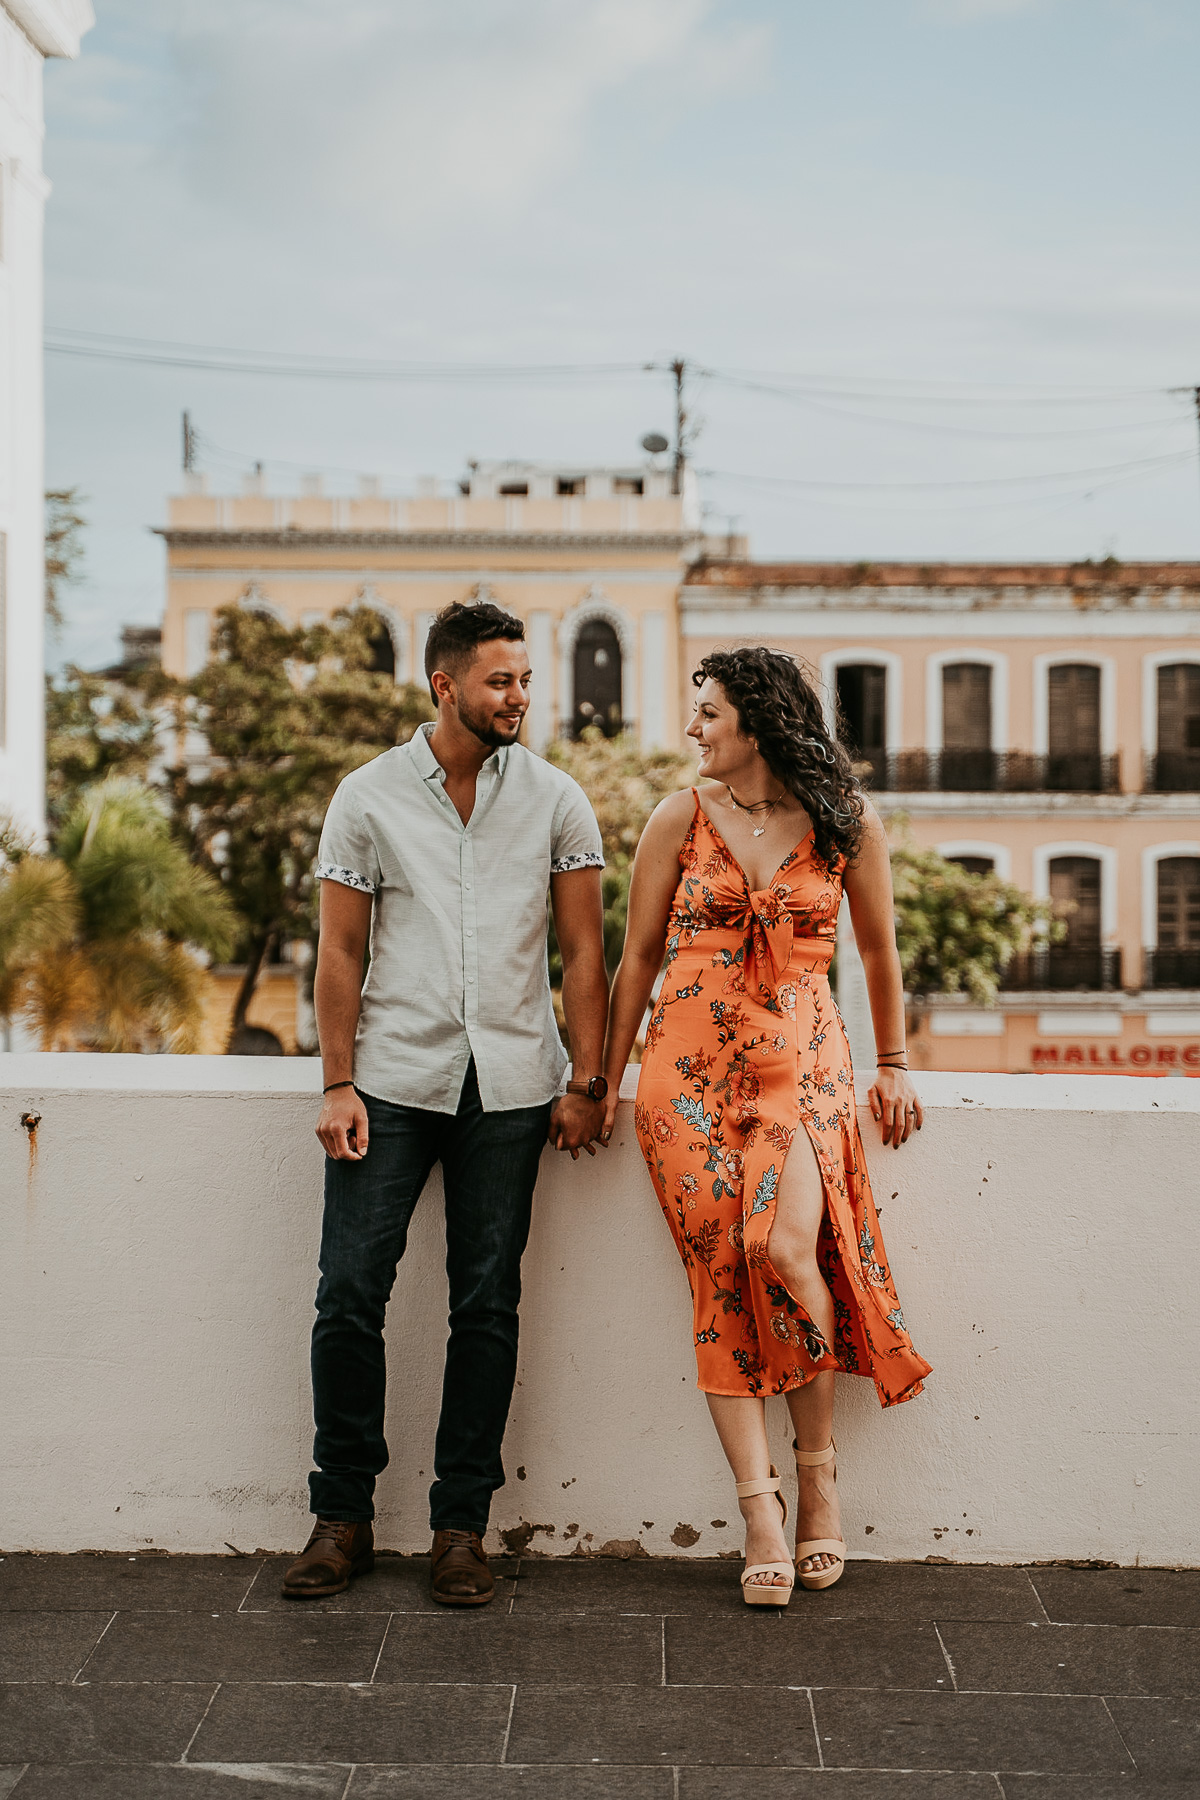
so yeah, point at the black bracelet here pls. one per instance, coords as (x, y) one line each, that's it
(336, 1084)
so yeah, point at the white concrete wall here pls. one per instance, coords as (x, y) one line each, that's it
(160, 1238)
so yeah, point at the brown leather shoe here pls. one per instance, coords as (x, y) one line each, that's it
(460, 1573)
(336, 1551)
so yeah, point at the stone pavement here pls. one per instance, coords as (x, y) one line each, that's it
(132, 1678)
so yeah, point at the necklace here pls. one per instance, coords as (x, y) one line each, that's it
(755, 806)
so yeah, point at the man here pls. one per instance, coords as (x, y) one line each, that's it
(441, 851)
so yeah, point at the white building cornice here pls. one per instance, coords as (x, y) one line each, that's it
(55, 27)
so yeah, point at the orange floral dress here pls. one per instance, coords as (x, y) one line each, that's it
(745, 1045)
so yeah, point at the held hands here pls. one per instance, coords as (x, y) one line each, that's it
(894, 1103)
(342, 1127)
(574, 1122)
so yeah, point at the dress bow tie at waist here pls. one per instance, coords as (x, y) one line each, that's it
(768, 939)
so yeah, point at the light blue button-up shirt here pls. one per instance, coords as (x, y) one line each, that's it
(458, 929)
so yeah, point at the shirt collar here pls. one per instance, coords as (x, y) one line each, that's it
(427, 764)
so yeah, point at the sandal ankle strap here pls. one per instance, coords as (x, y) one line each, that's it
(746, 1490)
(812, 1459)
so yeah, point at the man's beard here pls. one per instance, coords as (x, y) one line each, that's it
(485, 727)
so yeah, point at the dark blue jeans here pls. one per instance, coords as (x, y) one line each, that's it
(489, 1166)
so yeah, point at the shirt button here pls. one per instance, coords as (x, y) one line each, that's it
(471, 978)
(470, 934)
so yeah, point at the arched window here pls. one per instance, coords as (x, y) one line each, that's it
(1177, 765)
(383, 652)
(862, 717)
(1073, 741)
(1177, 956)
(968, 760)
(597, 679)
(975, 865)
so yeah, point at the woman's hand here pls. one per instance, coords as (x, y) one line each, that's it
(895, 1105)
(611, 1103)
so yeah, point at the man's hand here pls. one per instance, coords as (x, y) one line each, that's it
(574, 1122)
(342, 1127)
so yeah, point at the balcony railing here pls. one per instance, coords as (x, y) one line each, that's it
(1173, 772)
(990, 772)
(1060, 967)
(1171, 968)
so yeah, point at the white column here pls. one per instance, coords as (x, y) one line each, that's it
(541, 688)
(654, 680)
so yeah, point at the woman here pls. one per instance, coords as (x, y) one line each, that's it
(745, 1109)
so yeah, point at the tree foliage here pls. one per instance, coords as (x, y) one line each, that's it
(64, 548)
(96, 726)
(276, 719)
(624, 785)
(99, 940)
(957, 932)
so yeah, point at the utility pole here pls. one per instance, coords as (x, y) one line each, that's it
(189, 445)
(679, 370)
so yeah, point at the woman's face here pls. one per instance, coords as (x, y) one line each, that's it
(724, 751)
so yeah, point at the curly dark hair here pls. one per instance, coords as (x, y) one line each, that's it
(778, 708)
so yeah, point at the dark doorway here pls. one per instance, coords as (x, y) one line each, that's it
(975, 865)
(968, 761)
(1073, 763)
(862, 718)
(1176, 961)
(597, 691)
(383, 651)
(1177, 765)
(1075, 896)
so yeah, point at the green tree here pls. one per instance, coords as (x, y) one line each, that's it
(64, 548)
(958, 932)
(96, 726)
(100, 941)
(285, 714)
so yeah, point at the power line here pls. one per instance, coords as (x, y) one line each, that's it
(985, 482)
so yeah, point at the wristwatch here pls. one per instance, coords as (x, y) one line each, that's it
(595, 1089)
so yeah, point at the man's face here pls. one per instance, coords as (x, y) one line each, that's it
(492, 694)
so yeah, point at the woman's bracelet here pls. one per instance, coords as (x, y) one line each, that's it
(336, 1084)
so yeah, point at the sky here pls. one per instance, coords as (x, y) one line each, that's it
(934, 262)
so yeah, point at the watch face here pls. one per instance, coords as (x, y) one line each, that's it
(598, 1087)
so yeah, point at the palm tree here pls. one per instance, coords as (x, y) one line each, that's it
(100, 942)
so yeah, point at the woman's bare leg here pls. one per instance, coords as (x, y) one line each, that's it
(792, 1248)
(742, 1428)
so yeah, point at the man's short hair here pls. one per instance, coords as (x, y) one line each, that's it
(458, 631)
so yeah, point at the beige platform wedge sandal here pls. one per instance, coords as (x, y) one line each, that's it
(819, 1578)
(766, 1593)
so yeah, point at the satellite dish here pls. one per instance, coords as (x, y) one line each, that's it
(655, 443)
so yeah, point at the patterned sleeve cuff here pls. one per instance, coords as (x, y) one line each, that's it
(587, 859)
(347, 877)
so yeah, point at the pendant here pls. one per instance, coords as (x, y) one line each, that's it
(758, 830)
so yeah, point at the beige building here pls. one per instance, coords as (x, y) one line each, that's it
(590, 558)
(1042, 721)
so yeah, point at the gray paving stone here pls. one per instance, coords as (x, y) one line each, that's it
(1119, 1596)
(145, 1583)
(662, 1726)
(1092, 1787)
(38, 1646)
(492, 1646)
(397, 1584)
(380, 1723)
(1074, 1659)
(233, 1646)
(9, 1779)
(183, 1781)
(558, 1783)
(922, 1591)
(1163, 1736)
(753, 1649)
(839, 1784)
(55, 1722)
(641, 1585)
(1051, 1733)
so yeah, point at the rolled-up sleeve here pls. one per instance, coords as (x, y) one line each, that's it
(575, 841)
(347, 851)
